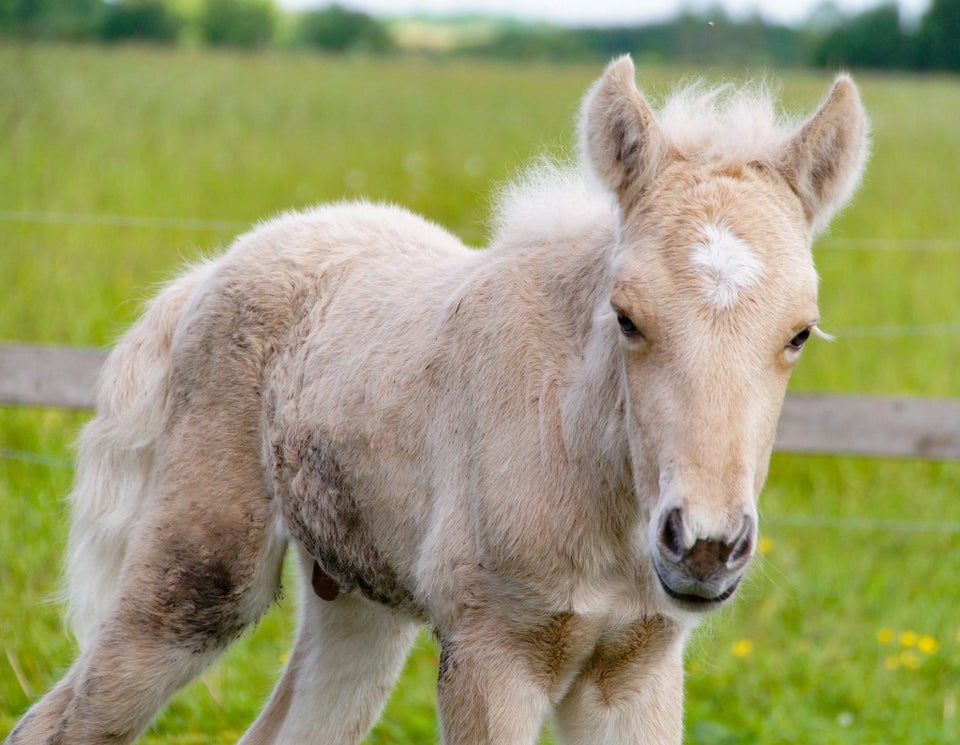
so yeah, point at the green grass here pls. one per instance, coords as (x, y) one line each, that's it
(213, 138)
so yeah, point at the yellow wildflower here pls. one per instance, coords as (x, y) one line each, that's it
(742, 648)
(765, 546)
(908, 638)
(885, 636)
(892, 662)
(928, 644)
(909, 659)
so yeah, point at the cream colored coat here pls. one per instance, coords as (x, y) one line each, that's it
(549, 451)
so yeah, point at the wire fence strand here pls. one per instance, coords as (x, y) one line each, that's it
(888, 331)
(950, 245)
(863, 523)
(123, 221)
(39, 459)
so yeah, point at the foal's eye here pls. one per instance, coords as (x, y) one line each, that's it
(627, 327)
(797, 341)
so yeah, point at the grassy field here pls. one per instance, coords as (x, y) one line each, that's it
(115, 166)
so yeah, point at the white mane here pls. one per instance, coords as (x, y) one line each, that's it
(551, 200)
(726, 123)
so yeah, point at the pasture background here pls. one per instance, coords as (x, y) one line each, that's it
(118, 165)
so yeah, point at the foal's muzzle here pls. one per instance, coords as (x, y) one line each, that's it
(703, 574)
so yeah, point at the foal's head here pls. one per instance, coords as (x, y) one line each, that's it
(713, 298)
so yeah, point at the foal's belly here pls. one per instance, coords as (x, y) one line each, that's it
(325, 506)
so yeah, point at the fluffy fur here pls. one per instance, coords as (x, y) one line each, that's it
(729, 265)
(549, 451)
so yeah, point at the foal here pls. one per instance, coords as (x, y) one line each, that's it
(549, 451)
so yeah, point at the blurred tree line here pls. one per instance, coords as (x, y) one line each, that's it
(876, 38)
(233, 23)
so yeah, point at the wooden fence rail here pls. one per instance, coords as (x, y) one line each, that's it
(49, 376)
(811, 423)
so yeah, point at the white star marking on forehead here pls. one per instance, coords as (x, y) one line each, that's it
(727, 263)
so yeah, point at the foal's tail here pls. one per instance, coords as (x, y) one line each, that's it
(115, 455)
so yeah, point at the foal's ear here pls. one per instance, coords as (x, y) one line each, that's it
(619, 136)
(824, 160)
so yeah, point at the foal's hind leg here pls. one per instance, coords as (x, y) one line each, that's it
(204, 564)
(112, 692)
(347, 656)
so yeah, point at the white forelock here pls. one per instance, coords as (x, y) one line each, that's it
(727, 123)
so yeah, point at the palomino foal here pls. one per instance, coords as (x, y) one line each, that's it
(549, 451)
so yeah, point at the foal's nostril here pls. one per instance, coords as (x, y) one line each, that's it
(741, 547)
(671, 534)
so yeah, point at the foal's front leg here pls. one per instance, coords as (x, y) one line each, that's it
(348, 654)
(630, 691)
(485, 697)
(500, 673)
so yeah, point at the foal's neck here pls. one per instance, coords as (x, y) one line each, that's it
(575, 277)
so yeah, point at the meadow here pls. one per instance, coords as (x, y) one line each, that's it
(118, 165)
